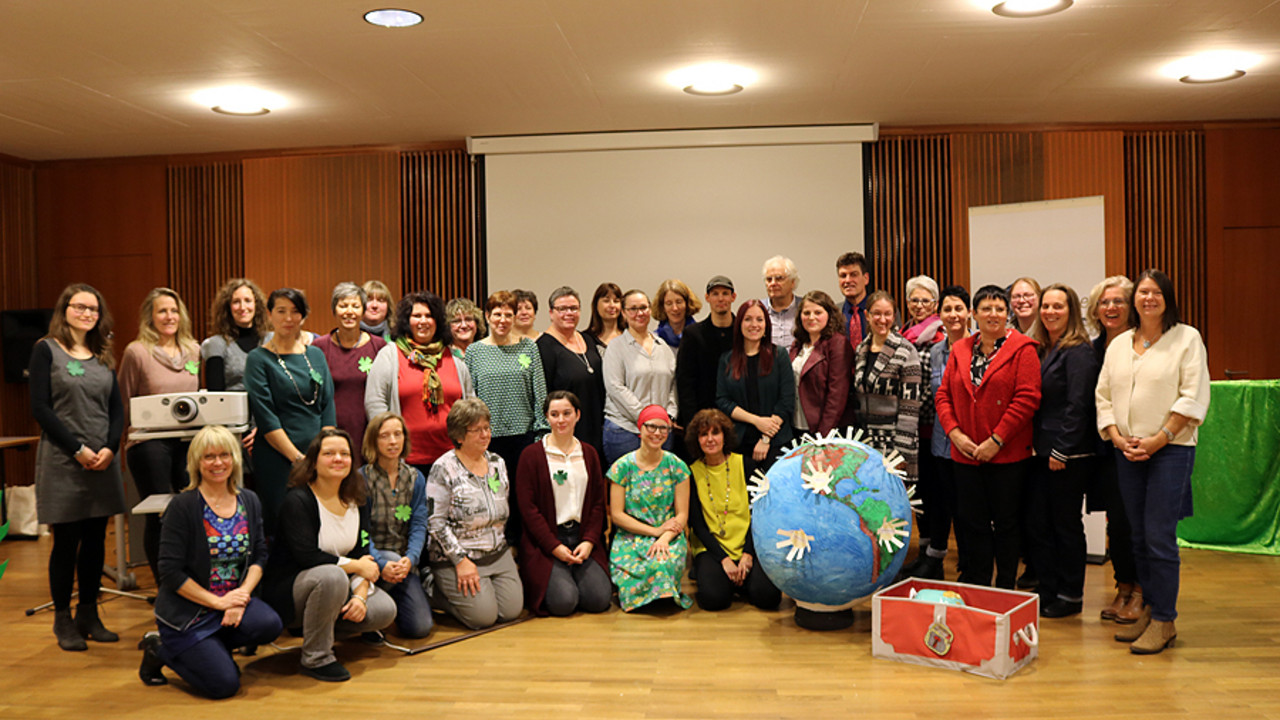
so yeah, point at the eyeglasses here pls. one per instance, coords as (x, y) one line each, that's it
(480, 429)
(637, 310)
(224, 457)
(922, 301)
(1023, 296)
(463, 321)
(81, 309)
(1112, 303)
(657, 428)
(565, 310)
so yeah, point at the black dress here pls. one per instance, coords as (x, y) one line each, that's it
(581, 375)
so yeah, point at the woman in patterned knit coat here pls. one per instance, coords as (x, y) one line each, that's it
(886, 385)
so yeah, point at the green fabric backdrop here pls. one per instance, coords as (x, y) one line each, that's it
(1236, 482)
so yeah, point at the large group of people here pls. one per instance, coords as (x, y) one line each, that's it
(428, 455)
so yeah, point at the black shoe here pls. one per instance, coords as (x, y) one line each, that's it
(1061, 608)
(373, 637)
(929, 569)
(152, 665)
(333, 672)
(64, 628)
(1028, 580)
(90, 626)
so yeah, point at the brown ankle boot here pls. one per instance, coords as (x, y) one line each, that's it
(1132, 609)
(1130, 633)
(1123, 592)
(1159, 635)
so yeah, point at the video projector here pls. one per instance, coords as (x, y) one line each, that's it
(183, 414)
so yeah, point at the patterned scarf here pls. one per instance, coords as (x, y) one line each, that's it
(426, 357)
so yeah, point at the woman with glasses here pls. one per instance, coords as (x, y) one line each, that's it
(476, 579)
(1024, 303)
(988, 395)
(212, 556)
(466, 322)
(639, 370)
(756, 388)
(649, 505)
(76, 401)
(923, 327)
(887, 384)
(572, 362)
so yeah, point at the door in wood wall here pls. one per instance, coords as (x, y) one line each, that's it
(1250, 259)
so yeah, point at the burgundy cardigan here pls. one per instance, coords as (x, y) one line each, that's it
(538, 511)
(825, 382)
(1004, 404)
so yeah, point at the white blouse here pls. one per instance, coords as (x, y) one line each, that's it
(568, 480)
(1136, 393)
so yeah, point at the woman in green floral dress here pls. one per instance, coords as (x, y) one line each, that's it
(649, 505)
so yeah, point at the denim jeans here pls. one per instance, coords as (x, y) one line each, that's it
(1156, 496)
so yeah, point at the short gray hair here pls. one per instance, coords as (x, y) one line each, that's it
(464, 413)
(922, 281)
(785, 262)
(345, 290)
(562, 291)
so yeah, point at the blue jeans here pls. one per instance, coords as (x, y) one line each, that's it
(208, 667)
(413, 609)
(1156, 495)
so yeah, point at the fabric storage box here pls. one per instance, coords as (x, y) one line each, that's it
(995, 633)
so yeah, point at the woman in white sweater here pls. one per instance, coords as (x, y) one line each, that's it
(1153, 392)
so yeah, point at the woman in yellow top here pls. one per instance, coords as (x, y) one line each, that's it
(720, 517)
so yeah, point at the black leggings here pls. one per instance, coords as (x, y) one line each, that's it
(157, 466)
(79, 548)
(716, 591)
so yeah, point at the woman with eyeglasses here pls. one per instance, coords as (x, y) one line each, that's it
(756, 388)
(1108, 315)
(649, 505)
(212, 556)
(76, 401)
(476, 579)
(290, 395)
(639, 370)
(922, 327)
(988, 396)
(572, 362)
(1024, 304)
(164, 359)
(1152, 395)
(466, 322)
(887, 387)
(418, 378)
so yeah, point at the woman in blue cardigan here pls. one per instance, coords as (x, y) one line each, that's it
(212, 554)
(756, 388)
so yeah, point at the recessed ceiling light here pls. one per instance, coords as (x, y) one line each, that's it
(712, 79)
(1029, 8)
(392, 18)
(239, 100)
(1210, 67)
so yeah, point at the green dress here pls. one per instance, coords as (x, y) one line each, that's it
(650, 498)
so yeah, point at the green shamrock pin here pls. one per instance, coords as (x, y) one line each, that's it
(494, 483)
(192, 366)
(364, 364)
(525, 361)
(317, 377)
(75, 369)
(364, 538)
(560, 477)
(403, 513)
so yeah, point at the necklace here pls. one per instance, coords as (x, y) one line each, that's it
(218, 504)
(315, 390)
(722, 517)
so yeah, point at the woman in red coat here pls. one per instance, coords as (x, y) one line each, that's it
(989, 394)
(562, 494)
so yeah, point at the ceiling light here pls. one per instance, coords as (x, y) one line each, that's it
(712, 79)
(392, 18)
(239, 100)
(1210, 67)
(1029, 8)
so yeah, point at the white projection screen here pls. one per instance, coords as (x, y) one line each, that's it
(638, 217)
(1053, 241)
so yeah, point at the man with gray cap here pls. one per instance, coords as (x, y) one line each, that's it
(700, 351)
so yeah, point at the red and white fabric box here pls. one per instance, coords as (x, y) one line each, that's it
(995, 633)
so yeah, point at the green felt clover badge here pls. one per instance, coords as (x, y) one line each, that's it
(560, 477)
(525, 361)
(364, 538)
(75, 369)
(495, 484)
(317, 377)
(192, 366)
(403, 512)
(364, 364)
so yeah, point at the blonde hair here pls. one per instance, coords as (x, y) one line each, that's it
(215, 437)
(1074, 334)
(1095, 297)
(147, 334)
(691, 303)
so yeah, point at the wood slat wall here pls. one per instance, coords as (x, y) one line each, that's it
(206, 233)
(1165, 214)
(439, 250)
(911, 230)
(1084, 164)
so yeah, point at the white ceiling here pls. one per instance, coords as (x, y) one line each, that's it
(94, 78)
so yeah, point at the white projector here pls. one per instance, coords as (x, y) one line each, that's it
(182, 411)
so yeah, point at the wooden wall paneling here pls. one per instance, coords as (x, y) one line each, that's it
(911, 212)
(439, 251)
(990, 168)
(312, 222)
(103, 224)
(1084, 164)
(1165, 215)
(18, 290)
(206, 233)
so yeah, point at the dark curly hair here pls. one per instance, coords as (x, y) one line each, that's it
(702, 422)
(434, 304)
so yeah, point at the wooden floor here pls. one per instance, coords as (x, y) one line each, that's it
(737, 664)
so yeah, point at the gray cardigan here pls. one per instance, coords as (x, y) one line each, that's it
(381, 391)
